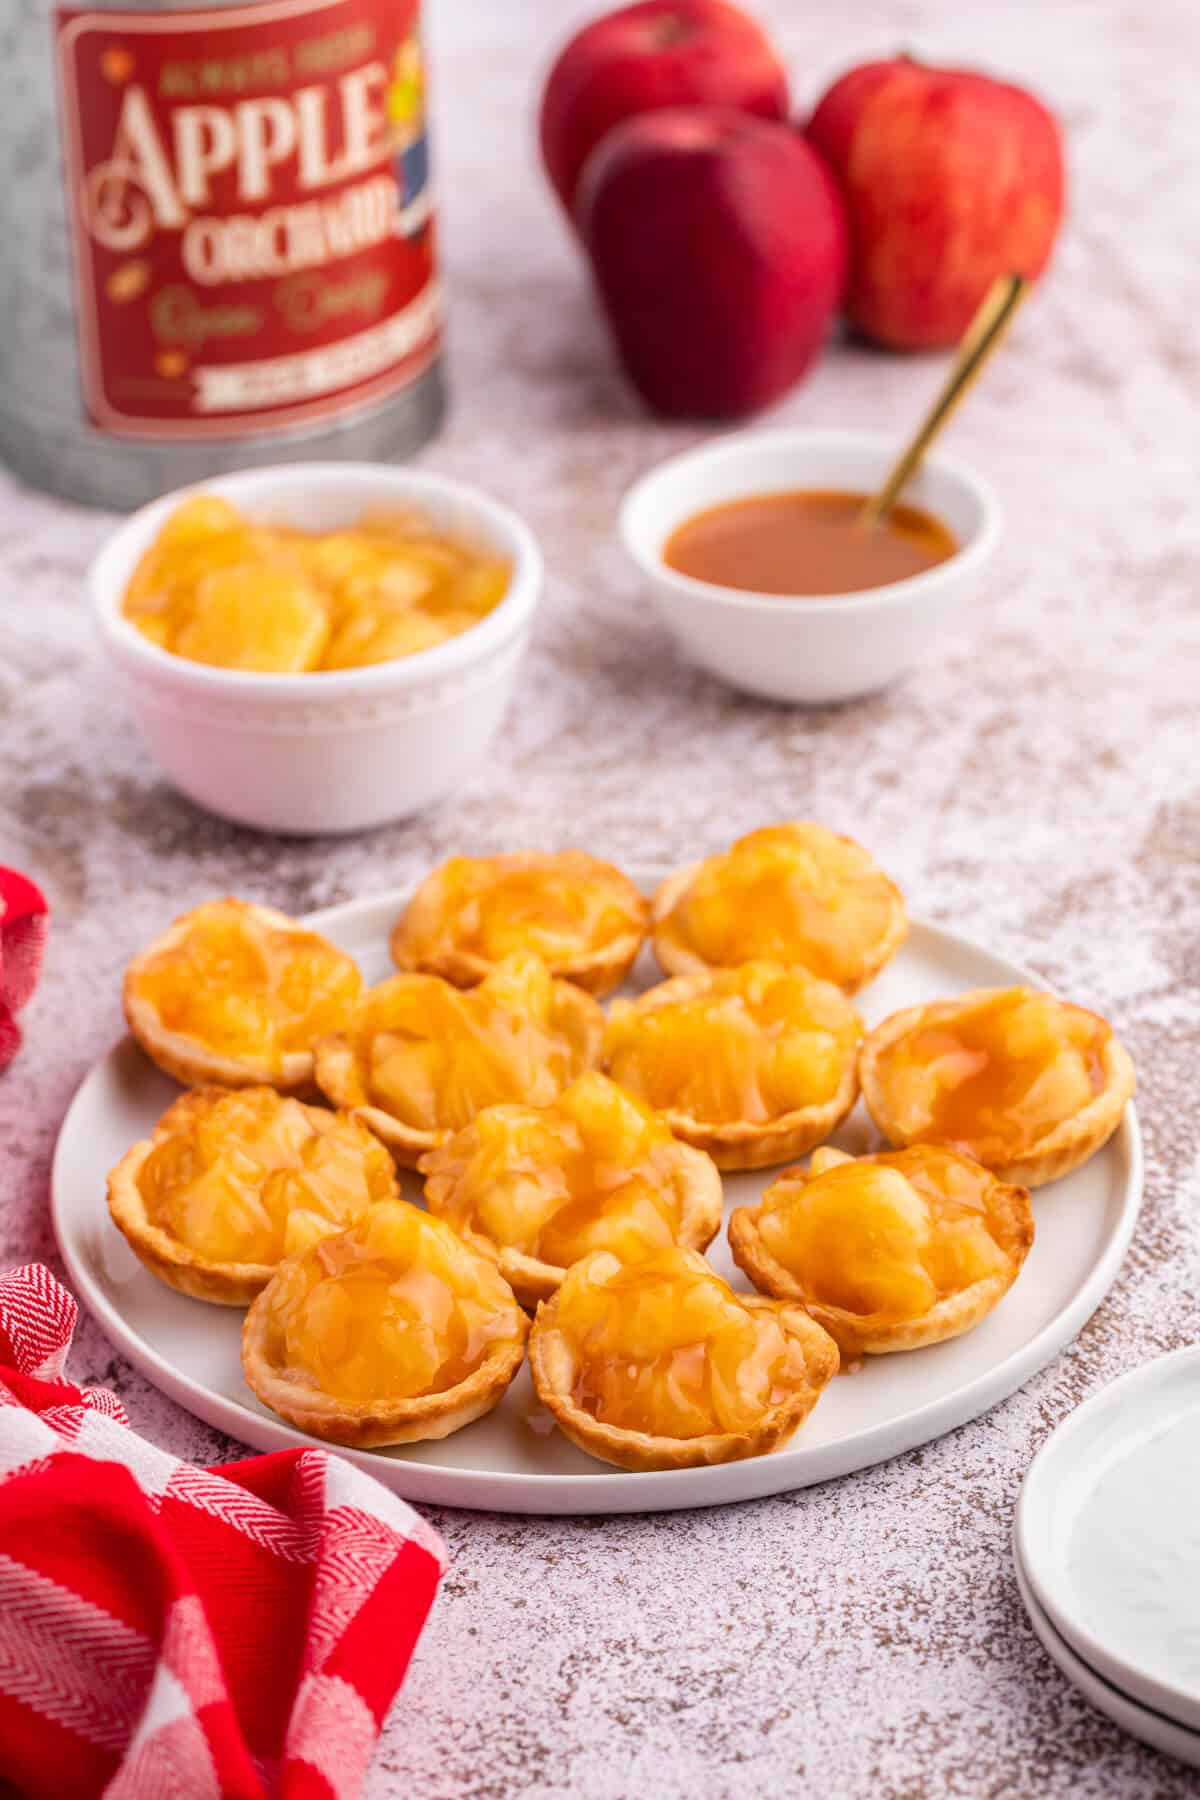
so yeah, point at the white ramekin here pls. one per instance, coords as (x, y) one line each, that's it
(808, 649)
(331, 752)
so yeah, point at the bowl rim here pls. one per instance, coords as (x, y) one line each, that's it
(492, 633)
(732, 449)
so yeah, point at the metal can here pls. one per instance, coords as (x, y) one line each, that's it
(218, 240)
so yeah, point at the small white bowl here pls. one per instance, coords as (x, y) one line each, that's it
(340, 751)
(811, 649)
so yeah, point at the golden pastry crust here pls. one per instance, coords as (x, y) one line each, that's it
(677, 956)
(378, 1422)
(1061, 1148)
(878, 1333)
(743, 1143)
(189, 1060)
(382, 1420)
(688, 1178)
(339, 1075)
(222, 1282)
(554, 1364)
(371, 1425)
(424, 939)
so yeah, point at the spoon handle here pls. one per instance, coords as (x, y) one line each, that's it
(981, 337)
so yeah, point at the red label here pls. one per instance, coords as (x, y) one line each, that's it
(250, 212)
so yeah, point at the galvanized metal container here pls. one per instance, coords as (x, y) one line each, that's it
(216, 240)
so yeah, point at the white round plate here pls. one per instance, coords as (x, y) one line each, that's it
(1151, 1727)
(513, 1461)
(1108, 1532)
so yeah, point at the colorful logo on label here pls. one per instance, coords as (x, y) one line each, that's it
(250, 205)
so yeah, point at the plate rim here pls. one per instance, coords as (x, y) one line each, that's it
(608, 1490)
(1182, 1742)
(1031, 1539)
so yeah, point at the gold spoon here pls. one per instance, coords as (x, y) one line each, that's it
(981, 337)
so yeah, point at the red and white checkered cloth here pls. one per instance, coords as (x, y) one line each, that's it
(23, 919)
(206, 1634)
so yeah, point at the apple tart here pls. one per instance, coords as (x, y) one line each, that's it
(238, 994)
(538, 1188)
(420, 1057)
(1027, 1084)
(887, 1252)
(232, 1182)
(660, 1365)
(390, 1332)
(754, 1064)
(791, 893)
(580, 915)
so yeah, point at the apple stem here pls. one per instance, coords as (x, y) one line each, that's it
(671, 29)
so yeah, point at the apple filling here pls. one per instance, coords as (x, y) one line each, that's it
(793, 893)
(560, 907)
(665, 1347)
(246, 988)
(890, 1234)
(217, 588)
(433, 1055)
(395, 1307)
(593, 1171)
(250, 1177)
(752, 1043)
(992, 1077)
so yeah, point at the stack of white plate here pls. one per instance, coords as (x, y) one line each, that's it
(1107, 1545)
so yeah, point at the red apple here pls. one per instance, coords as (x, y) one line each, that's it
(950, 179)
(719, 249)
(639, 58)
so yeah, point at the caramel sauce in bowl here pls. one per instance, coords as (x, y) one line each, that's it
(806, 541)
(750, 552)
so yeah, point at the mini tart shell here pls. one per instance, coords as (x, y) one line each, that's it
(176, 1263)
(533, 1280)
(337, 1078)
(371, 1424)
(677, 958)
(876, 1334)
(552, 1366)
(186, 1059)
(1063, 1148)
(740, 1143)
(598, 972)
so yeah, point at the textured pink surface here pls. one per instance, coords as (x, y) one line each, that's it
(1037, 785)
